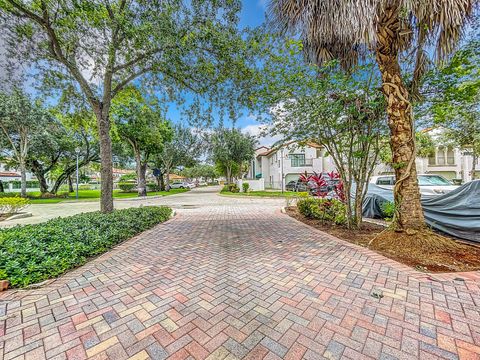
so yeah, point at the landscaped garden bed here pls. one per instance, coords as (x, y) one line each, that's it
(448, 255)
(33, 253)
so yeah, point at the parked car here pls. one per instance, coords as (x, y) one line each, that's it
(296, 185)
(182, 185)
(429, 184)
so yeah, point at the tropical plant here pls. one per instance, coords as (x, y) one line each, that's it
(348, 30)
(326, 210)
(245, 187)
(126, 186)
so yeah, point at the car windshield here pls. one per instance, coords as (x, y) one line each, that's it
(424, 180)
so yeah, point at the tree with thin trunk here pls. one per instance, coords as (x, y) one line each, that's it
(230, 149)
(183, 149)
(347, 30)
(96, 48)
(21, 121)
(142, 126)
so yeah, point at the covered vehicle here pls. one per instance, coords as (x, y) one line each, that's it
(456, 213)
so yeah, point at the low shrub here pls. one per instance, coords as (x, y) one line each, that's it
(126, 187)
(33, 253)
(388, 210)
(47, 195)
(233, 188)
(245, 187)
(9, 194)
(153, 187)
(84, 187)
(326, 210)
(128, 177)
(12, 205)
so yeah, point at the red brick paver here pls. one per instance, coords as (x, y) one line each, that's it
(242, 281)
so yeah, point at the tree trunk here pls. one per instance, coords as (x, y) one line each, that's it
(37, 169)
(23, 175)
(400, 121)
(167, 179)
(106, 165)
(1, 187)
(141, 170)
(161, 182)
(70, 184)
(474, 165)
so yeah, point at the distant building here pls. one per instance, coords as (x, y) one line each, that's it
(290, 160)
(449, 161)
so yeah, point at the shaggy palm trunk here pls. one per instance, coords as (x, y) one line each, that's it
(70, 184)
(409, 213)
(106, 164)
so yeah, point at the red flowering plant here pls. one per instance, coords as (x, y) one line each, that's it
(325, 185)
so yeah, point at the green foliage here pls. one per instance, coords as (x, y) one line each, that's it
(8, 194)
(128, 177)
(12, 205)
(126, 187)
(230, 149)
(388, 210)
(32, 253)
(233, 188)
(245, 187)
(326, 210)
(153, 187)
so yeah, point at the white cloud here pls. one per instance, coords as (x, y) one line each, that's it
(259, 131)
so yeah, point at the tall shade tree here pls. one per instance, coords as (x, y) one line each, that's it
(142, 126)
(230, 149)
(347, 30)
(184, 149)
(21, 122)
(99, 47)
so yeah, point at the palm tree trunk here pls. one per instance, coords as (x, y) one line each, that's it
(400, 120)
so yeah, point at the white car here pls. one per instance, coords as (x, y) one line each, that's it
(429, 184)
(182, 185)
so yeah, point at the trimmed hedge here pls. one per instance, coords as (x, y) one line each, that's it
(33, 253)
(127, 187)
(326, 210)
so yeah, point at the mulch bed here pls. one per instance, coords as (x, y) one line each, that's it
(427, 251)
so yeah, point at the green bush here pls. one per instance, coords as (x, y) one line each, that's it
(33, 253)
(84, 187)
(153, 187)
(12, 205)
(9, 194)
(233, 188)
(126, 187)
(128, 177)
(245, 187)
(327, 210)
(388, 210)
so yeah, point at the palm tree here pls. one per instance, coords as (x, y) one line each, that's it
(347, 29)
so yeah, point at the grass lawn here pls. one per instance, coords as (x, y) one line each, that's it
(263, 193)
(94, 195)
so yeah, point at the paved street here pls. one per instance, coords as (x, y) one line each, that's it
(232, 278)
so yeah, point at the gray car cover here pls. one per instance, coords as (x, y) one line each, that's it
(456, 213)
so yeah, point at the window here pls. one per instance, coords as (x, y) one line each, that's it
(298, 160)
(432, 160)
(429, 180)
(441, 156)
(387, 180)
(450, 156)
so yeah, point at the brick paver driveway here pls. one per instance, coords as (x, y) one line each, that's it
(235, 278)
